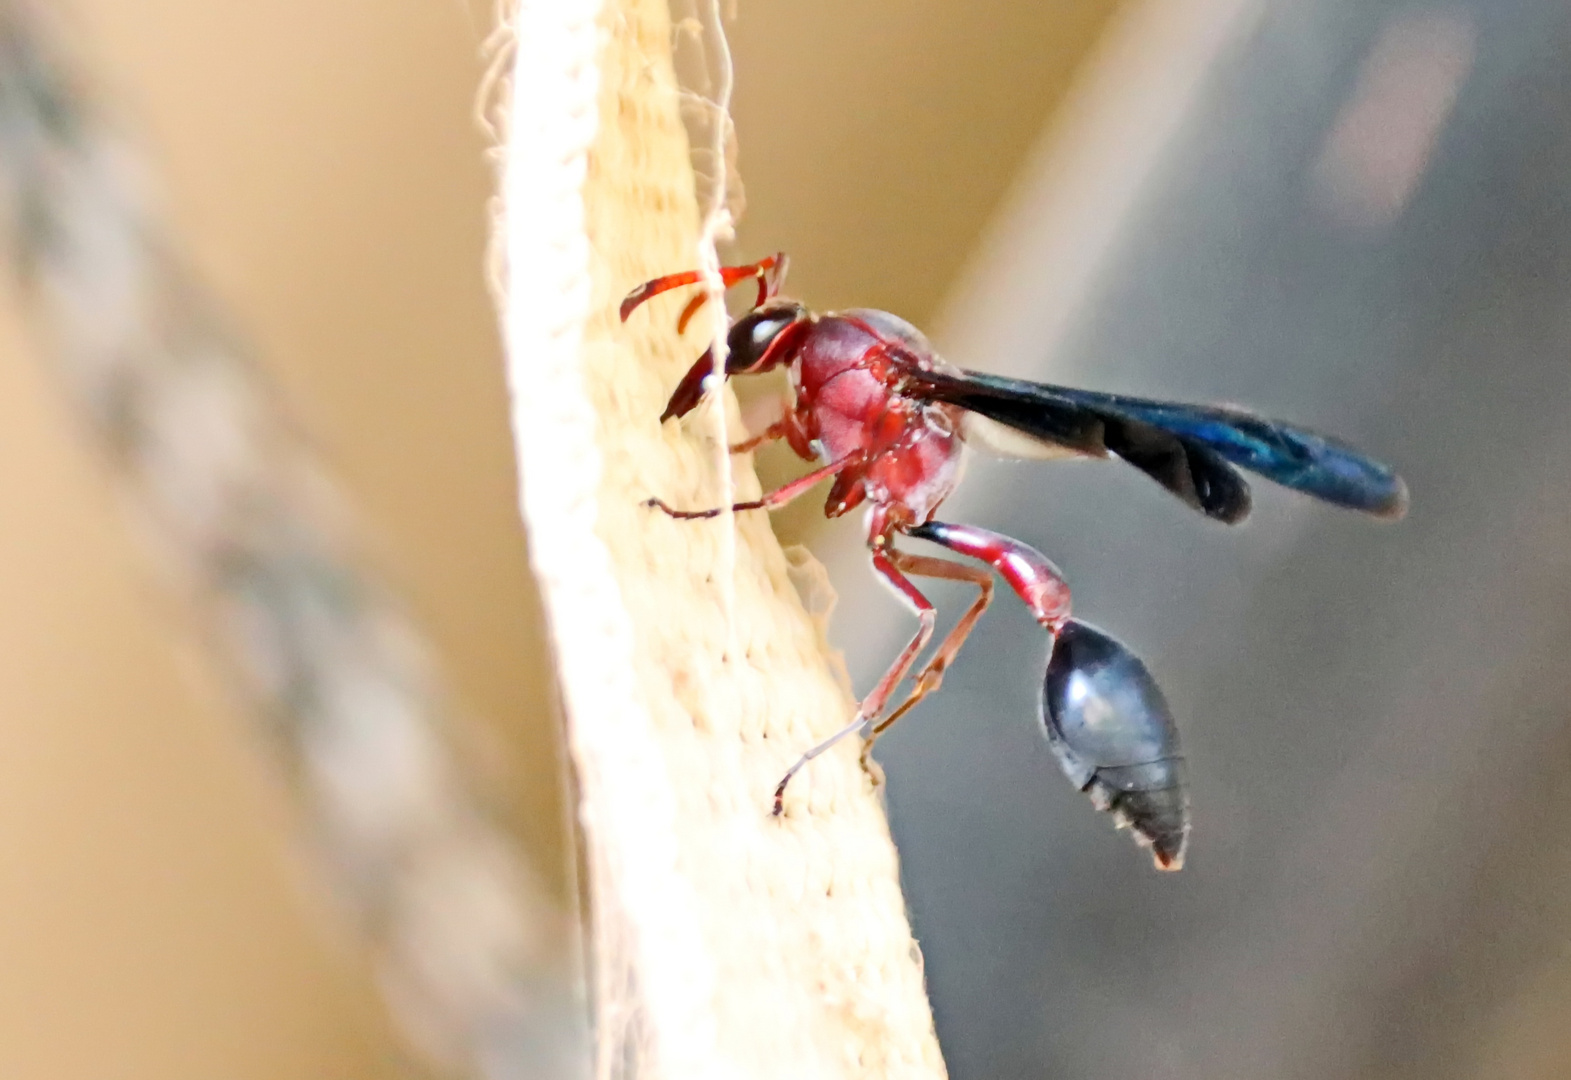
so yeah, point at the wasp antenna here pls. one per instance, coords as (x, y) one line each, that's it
(654, 288)
(690, 310)
(770, 273)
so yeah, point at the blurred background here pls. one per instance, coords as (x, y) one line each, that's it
(1351, 214)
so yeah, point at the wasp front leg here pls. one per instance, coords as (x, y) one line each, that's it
(774, 500)
(768, 435)
(789, 427)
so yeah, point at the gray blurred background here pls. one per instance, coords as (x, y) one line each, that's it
(1350, 214)
(1359, 222)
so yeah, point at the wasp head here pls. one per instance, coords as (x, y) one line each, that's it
(757, 342)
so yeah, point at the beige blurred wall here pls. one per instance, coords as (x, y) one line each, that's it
(320, 164)
(877, 138)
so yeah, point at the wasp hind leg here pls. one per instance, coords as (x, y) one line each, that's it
(932, 674)
(885, 561)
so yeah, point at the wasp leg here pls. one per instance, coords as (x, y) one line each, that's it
(769, 434)
(775, 499)
(888, 564)
(788, 427)
(855, 725)
(1029, 573)
(874, 703)
(932, 674)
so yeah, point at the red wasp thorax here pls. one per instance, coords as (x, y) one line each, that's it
(904, 453)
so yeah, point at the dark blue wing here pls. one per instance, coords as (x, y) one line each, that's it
(1188, 449)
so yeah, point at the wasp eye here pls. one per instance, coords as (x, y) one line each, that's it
(752, 334)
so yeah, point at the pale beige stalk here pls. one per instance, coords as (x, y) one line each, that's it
(728, 942)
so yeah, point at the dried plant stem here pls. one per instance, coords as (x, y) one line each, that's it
(727, 942)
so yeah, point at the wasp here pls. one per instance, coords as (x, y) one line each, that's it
(882, 414)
